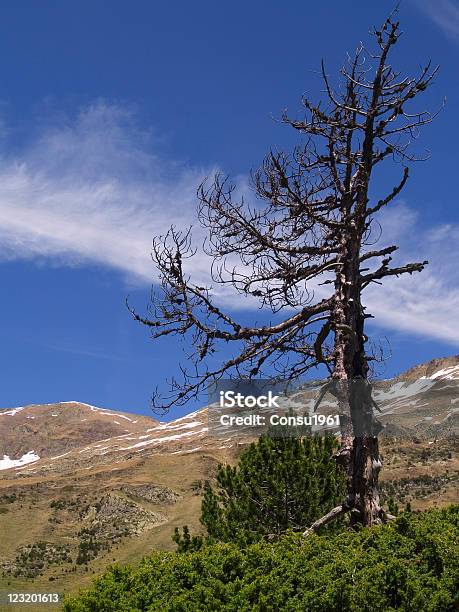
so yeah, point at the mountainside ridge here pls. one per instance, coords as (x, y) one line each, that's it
(78, 435)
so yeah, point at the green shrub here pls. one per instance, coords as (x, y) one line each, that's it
(408, 565)
(279, 484)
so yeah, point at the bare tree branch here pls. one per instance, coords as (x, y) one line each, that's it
(310, 223)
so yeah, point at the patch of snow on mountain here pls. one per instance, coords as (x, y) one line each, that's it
(6, 463)
(451, 373)
(13, 411)
(93, 408)
(401, 391)
(59, 456)
(186, 434)
(180, 426)
(139, 444)
(120, 416)
(188, 416)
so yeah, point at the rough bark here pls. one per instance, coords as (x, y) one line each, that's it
(326, 519)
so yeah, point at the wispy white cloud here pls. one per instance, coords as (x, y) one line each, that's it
(92, 191)
(444, 13)
(89, 191)
(424, 303)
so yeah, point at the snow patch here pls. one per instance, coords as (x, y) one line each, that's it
(401, 391)
(13, 411)
(93, 408)
(183, 435)
(451, 373)
(119, 416)
(6, 463)
(188, 416)
(59, 456)
(166, 439)
(180, 426)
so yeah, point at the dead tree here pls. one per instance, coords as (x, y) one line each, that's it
(306, 251)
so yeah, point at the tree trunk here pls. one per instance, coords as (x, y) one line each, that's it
(359, 453)
(365, 465)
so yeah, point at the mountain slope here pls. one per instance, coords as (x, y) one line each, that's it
(47, 430)
(69, 436)
(93, 486)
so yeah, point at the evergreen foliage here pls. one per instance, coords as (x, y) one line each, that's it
(279, 484)
(411, 564)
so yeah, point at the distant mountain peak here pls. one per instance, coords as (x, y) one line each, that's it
(431, 368)
(55, 428)
(70, 436)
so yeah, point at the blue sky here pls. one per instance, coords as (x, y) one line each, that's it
(110, 115)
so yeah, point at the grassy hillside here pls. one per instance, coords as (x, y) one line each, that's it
(55, 509)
